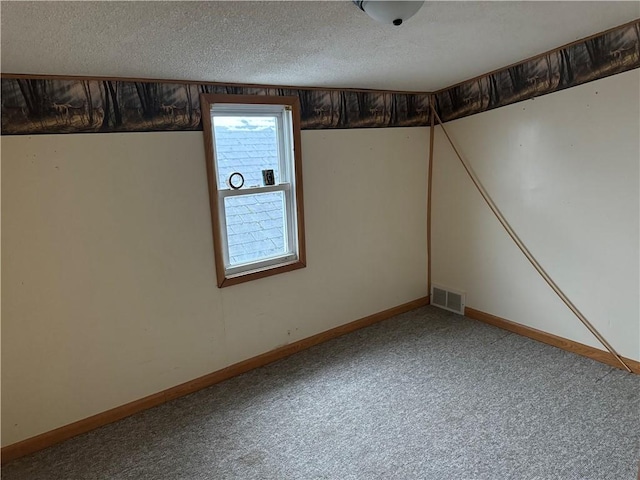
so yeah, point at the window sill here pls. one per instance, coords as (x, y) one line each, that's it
(263, 272)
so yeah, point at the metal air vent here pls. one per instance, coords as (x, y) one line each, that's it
(448, 299)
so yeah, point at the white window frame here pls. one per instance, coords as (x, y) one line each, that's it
(286, 110)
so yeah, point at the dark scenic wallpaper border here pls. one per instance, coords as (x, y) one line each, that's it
(46, 105)
(611, 52)
(52, 104)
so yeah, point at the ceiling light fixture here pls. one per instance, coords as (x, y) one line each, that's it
(389, 12)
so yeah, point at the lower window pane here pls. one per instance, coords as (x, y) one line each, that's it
(256, 227)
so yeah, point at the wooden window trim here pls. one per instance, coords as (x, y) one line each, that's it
(206, 101)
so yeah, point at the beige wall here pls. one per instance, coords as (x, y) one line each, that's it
(109, 290)
(564, 170)
(108, 282)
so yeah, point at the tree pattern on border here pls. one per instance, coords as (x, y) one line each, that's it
(40, 104)
(607, 54)
(53, 105)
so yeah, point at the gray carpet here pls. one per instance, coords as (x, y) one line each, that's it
(425, 395)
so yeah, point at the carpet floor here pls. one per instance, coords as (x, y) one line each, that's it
(425, 395)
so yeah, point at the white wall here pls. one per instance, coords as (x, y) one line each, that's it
(109, 290)
(564, 170)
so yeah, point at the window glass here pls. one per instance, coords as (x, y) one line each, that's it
(256, 227)
(248, 145)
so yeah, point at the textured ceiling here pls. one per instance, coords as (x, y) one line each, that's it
(309, 43)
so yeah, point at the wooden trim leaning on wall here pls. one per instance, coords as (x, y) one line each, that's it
(47, 439)
(432, 128)
(550, 339)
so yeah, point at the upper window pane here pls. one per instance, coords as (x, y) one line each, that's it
(248, 145)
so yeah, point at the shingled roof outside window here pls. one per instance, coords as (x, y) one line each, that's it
(255, 225)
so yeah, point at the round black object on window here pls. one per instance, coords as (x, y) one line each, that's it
(397, 22)
(236, 180)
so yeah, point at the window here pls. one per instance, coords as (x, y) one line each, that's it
(255, 185)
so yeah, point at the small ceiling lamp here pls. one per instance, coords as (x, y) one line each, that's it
(389, 12)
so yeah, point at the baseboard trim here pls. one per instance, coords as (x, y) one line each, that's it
(550, 339)
(47, 439)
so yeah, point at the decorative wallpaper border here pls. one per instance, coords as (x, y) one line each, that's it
(608, 53)
(46, 105)
(52, 104)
